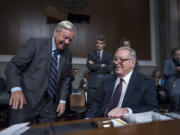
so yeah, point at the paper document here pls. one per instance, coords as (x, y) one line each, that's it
(16, 129)
(145, 117)
(118, 122)
(174, 115)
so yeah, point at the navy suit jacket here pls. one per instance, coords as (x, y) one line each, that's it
(96, 69)
(140, 95)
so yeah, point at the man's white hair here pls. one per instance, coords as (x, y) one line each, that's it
(66, 25)
(132, 53)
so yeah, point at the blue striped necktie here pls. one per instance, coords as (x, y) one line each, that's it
(53, 75)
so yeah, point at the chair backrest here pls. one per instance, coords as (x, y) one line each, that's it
(77, 100)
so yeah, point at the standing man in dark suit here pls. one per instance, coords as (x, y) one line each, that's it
(39, 75)
(99, 63)
(127, 91)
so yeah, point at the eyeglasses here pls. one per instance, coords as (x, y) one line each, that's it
(120, 60)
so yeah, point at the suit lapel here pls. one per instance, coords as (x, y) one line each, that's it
(132, 83)
(61, 63)
(111, 85)
(49, 54)
(95, 54)
(103, 56)
(109, 91)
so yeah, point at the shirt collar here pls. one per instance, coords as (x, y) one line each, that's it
(53, 44)
(126, 78)
(100, 51)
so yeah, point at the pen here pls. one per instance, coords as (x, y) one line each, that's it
(120, 121)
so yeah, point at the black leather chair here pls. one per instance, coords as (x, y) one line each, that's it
(174, 96)
(163, 99)
(4, 98)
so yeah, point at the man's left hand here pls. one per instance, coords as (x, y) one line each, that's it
(61, 108)
(117, 112)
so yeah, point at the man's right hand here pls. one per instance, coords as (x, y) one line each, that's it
(178, 69)
(91, 62)
(17, 100)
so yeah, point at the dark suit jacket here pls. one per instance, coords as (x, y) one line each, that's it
(96, 69)
(29, 69)
(140, 95)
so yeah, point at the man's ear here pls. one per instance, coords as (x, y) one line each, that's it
(133, 62)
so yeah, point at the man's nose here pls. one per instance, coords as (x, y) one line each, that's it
(67, 41)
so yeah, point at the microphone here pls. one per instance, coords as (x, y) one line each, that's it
(52, 128)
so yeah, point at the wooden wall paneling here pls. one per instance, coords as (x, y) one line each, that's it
(134, 25)
(22, 20)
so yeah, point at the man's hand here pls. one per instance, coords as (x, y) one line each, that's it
(178, 69)
(61, 108)
(103, 65)
(17, 100)
(117, 112)
(91, 62)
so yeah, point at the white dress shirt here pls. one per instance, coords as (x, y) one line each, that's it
(124, 88)
(101, 53)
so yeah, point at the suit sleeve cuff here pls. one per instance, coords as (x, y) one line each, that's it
(130, 110)
(16, 89)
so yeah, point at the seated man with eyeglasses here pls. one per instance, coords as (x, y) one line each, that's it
(126, 91)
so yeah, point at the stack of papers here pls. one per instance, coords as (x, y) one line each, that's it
(145, 117)
(16, 129)
(118, 122)
(173, 115)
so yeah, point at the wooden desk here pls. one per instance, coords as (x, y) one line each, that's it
(171, 127)
(69, 122)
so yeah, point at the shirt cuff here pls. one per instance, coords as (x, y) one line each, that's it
(62, 101)
(130, 110)
(16, 89)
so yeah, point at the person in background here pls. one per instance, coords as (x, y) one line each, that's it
(157, 76)
(127, 43)
(84, 81)
(99, 63)
(38, 76)
(171, 69)
(171, 72)
(73, 76)
(126, 91)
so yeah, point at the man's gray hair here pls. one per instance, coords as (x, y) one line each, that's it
(132, 53)
(66, 25)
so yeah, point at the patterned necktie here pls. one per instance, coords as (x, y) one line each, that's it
(53, 76)
(114, 101)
